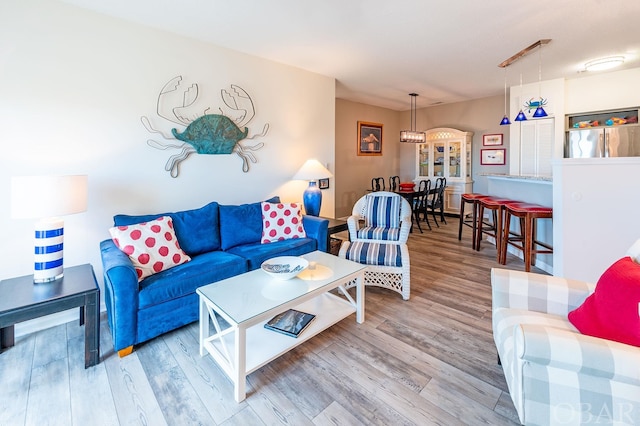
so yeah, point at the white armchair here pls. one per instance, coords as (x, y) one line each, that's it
(556, 375)
(386, 217)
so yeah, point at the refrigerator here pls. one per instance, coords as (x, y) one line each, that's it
(615, 141)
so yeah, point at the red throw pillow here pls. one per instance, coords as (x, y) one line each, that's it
(152, 246)
(281, 221)
(611, 312)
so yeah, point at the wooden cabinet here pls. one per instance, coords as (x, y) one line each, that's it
(446, 153)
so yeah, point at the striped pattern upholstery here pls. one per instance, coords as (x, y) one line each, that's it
(382, 218)
(375, 253)
(379, 233)
(382, 211)
(555, 374)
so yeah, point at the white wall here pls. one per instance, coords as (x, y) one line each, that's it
(73, 86)
(596, 206)
(604, 91)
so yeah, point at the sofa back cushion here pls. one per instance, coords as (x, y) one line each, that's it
(241, 224)
(197, 230)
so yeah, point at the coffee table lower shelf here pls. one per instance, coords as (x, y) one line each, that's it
(240, 350)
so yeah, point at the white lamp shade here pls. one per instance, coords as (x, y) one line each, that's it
(312, 170)
(48, 196)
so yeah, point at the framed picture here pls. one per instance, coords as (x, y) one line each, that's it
(369, 138)
(492, 157)
(488, 140)
(323, 183)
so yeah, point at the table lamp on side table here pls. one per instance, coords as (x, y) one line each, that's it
(46, 198)
(312, 170)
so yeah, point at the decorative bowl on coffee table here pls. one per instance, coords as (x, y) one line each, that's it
(284, 267)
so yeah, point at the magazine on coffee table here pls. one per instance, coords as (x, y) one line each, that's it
(290, 322)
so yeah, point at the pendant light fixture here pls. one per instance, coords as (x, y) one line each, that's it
(540, 112)
(413, 136)
(520, 116)
(505, 120)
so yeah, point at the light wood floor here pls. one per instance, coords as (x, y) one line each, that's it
(429, 360)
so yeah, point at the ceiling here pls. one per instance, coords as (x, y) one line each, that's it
(379, 50)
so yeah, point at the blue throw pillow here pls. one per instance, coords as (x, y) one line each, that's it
(197, 230)
(241, 224)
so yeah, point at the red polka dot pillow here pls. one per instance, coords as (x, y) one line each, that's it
(281, 221)
(152, 246)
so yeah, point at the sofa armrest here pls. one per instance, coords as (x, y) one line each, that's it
(581, 354)
(121, 294)
(318, 229)
(537, 292)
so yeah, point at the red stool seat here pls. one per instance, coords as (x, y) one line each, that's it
(526, 241)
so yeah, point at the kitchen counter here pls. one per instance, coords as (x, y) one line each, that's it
(523, 178)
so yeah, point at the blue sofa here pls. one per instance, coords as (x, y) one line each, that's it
(222, 241)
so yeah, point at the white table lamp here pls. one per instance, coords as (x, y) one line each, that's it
(46, 198)
(312, 170)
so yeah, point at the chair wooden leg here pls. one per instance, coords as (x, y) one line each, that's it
(126, 351)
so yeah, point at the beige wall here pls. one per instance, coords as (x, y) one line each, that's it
(480, 116)
(353, 172)
(73, 86)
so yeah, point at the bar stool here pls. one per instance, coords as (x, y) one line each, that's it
(494, 229)
(526, 240)
(470, 198)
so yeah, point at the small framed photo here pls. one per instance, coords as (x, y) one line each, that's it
(323, 183)
(492, 157)
(490, 140)
(369, 138)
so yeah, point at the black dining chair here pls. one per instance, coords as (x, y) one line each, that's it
(377, 184)
(420, 203)
(394, 183)
(435, 200)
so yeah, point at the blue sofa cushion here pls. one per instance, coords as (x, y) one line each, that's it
(241, 224)
(197, 230)
(184, 279)
(257, 253)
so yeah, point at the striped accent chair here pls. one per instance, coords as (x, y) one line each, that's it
(555, 374)
(386, 216)
(387, 264)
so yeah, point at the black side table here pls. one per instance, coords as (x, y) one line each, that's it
(335, 226)
(22, 300)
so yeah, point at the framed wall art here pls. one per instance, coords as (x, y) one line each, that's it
(492, 157)
(369, 138)
(489, 140)
(323, 183)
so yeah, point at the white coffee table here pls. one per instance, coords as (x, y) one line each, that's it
(249, 300)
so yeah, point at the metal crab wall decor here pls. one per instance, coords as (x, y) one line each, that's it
(204, 133)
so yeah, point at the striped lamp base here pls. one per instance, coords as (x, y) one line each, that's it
(49, 237)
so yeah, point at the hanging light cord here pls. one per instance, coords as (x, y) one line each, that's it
(413, 111)
(505, 91)
(540, 72)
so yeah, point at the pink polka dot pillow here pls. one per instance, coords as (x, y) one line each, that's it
(152, 246)
(281, 221)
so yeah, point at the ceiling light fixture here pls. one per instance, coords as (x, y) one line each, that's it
(412, 136)
(604, 63)
(539, 111)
